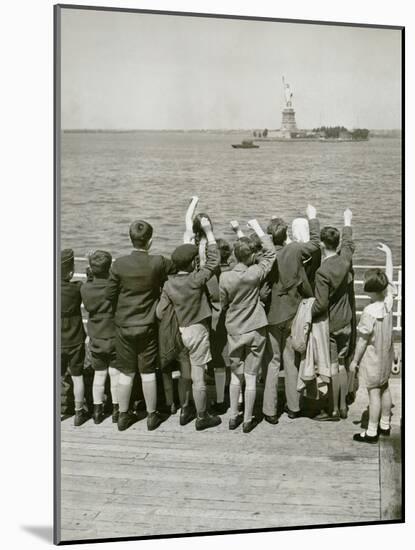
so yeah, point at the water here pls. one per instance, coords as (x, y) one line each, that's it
(110, 179)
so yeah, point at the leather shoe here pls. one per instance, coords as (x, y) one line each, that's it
(154, 420)
(383, 432)
(81, 417)
(364, 438)
(125, 420)
(323, 416)
(271, 419)
(235, 422)
(187, 414)
(207, 421)
(218, 408)
(249, 426)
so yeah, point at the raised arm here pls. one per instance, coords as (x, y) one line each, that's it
(190, 212)
(212, 257)
(266, 262)
(314, 243)
(388, 267)
(347, 245)
(237, 229)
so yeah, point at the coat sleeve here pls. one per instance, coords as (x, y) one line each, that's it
(112, 289)
(162, 305)
(223, 295)
(347, 246)
(264, 266)
(314, 243)
(202, 276)
(321, 292)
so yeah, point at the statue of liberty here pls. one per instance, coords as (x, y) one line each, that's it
(288, 94)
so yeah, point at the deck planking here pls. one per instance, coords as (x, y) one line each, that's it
(176, 480)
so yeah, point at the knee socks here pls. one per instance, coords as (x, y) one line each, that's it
(98, 386)
(125, 385)
(250, 394)
(220, 380)
(343, 386)
(114, 376)
(234, 394)
(78, 391)
(199, 388)
(150, 391)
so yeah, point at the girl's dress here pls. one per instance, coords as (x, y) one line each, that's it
(376, 326)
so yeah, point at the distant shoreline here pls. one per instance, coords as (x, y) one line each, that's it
(390, 133)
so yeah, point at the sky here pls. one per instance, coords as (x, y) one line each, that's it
(146, 71)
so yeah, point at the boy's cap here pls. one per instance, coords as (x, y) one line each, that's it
(99, 255)
(184, 254)
(67, 256)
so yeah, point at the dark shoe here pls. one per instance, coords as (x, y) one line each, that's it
(115, 413)
(65, 416)
(385, 433)
(81, 417)
(125, 420)
(207, 421)
(155, 419)
(343, 413)
(218, 408)
(325, 417)
(292, 414)
(98, 414)
(187, 414)
(249, 426)
(364, 438)
(271, 419)
(235, 422)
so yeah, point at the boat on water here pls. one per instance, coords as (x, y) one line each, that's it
(245, 144)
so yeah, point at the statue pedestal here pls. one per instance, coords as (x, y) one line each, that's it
(288, 123)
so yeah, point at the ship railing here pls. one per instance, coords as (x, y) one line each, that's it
(361, 299)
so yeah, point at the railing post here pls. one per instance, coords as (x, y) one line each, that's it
(399, 301)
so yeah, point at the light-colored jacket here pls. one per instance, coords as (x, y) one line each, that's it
(312, 340)
(239, 292)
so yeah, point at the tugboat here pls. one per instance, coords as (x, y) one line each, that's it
(246, 144)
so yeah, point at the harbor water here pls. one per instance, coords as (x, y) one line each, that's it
(109, 179)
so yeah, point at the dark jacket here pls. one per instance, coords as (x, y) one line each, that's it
(134, 287)
(332, 285)
(72, 328)
(101, 312)
(188, 293)
(288, 277)
(169, 337)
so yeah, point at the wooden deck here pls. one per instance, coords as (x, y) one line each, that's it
(177, 480)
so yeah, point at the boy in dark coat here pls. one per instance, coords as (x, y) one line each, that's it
(72, 333)
(101, 332)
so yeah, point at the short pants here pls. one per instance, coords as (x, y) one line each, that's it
(72, 360)
(136, 349)
(196, 341)
(102, 353)
(246, 351)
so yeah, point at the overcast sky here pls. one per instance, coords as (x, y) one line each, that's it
(141, 71)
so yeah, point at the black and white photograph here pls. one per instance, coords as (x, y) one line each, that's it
(229, 297)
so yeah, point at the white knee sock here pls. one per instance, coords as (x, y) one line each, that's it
(220, 380)
(149, 383)
(250, 394)
(234, 393)
(78, 391)
(372, 429)
(114, 376)
(385, 422)
(98, 386)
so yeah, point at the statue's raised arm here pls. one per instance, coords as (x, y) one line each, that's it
(288, 93)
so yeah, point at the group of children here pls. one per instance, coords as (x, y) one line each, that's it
(148, 312)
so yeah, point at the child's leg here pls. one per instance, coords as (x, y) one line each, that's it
(250, 395)
(168, 388)
(374, 411)
(343, 382)
(199, 388)
(78, 391)
(150, 391)
(220, 381)
(386, 408)
(125, 385)
(235, 392)
(98, 386)
(114, 377)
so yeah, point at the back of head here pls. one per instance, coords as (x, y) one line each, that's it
(330, 237)
(183, 256)
(225, 250)
(300, 230)
(256, 242)
(140, 233)
(100, 263)
(67, 263)
(197, 228)
(375, 280)
(243, 250)
(277, 228)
